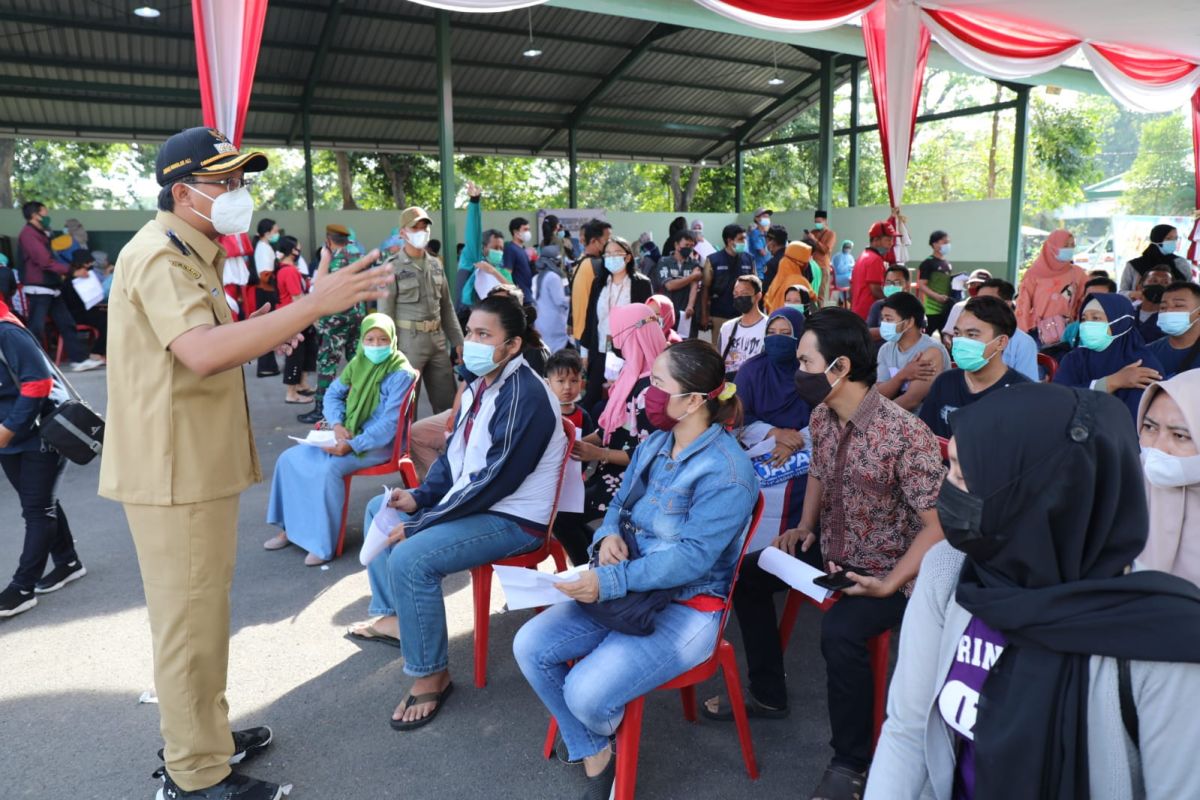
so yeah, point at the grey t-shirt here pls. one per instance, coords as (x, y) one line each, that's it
(891, 360)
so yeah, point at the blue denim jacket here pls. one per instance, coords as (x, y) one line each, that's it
(690, 520)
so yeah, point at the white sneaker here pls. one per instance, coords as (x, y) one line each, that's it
(84, 366)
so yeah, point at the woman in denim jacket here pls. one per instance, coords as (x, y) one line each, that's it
(698, 494)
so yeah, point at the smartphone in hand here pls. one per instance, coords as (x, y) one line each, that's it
(838, 580)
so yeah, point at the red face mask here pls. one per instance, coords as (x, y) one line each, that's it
(973, 289)
(656, 409)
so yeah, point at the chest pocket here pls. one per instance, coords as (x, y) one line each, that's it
(408, 286)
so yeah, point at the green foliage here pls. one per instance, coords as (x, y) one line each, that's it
(1159, 181)
(65, 174)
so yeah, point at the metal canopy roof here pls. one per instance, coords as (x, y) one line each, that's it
(633, 89)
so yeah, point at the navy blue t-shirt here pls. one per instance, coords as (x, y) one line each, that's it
(1172, 359)
(949, 393)
(516, 261)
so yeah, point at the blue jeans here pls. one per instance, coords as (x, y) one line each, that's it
(406, 580)
(611, 669)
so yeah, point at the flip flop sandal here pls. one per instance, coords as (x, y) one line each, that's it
(724, 712)
(840, 783)
(369, 633)
(308, 392)
(428, 697)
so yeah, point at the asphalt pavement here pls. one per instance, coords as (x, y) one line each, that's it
(72, 671)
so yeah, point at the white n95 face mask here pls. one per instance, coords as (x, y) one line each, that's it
(417, 239)
(1167, 471)
(231, 212)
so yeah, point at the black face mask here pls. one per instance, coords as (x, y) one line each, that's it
(1153, 293)
(743, 304)
(813, 387)
(685, 253)
(961, 516)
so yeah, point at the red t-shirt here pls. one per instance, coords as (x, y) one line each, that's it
(868, 270)
(289, 282)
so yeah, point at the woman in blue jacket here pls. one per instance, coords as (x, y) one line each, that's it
(688, 494)
(33, 469)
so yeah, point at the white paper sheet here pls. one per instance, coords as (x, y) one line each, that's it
(375, 541)
(317, 439)
(89, 289)
(794, 573)
(767, 445)
(484, 283)
(571, 499)
(530, 588)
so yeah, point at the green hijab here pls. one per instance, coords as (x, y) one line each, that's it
(364, 378)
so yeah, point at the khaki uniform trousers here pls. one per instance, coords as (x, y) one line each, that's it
(429, 353)
(186, 554)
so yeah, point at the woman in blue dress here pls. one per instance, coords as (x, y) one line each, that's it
(362, 408)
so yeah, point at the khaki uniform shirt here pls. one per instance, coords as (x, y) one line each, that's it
(421, 294)
(172, 437)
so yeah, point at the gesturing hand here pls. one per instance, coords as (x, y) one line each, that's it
(352, 284)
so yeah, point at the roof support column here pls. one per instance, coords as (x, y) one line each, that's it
(308, 186)
(825, 143)
(739, 178)
(445, 102)
(573, 170)
(852, 161)
(1017, 201)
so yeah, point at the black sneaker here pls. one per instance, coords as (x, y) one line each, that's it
(246, 744)
(234, 787)
(13, 601)
(311, 418)
(60, 576)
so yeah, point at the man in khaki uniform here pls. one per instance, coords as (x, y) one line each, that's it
(421, 304)
(178, 446)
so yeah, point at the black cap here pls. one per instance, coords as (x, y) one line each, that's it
(203, 151)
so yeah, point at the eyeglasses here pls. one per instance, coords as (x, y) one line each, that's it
(230, 184)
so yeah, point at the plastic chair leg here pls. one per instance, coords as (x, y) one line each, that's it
(558, 554)
(880, 649)
(791, 609)
(688, 695)
(733, 687)
(629, 737)
(551, 732)
(481, 587)
(341, 542)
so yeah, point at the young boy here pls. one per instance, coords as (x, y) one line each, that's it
(564, 371)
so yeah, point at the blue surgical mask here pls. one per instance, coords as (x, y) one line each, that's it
(377, 355)
(781, 348)
(614, 263)
(888, 291)
(1168, 247)
(945, 249)
(739, 247)
(479, 358)
(1066, 253)
(1175, 323)
(1095, 335)
(764, 222)
(888, 331)
(559, 234)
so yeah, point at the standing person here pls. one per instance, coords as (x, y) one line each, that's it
(843, 268)
(788, 274)
(823, 238)
(678, 275)
(43, 276)
(721, 271)
(620, 285)
(516, 257)
(33, 469)
(178, 449)
(704, 248)
(981, 336)
(777, 241)
(338, 332)
(933, 277)
(420, 302)
(1051, 290)
(551, 286)
(1161, 251)
(293, 285)
(742, 338)
(866, 281)
(1179, 320)
(756, 240)
(264, 268)
(678, 224)
(872, 489)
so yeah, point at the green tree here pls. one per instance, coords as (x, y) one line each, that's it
(1159, 181)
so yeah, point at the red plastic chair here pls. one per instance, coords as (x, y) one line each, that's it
(944, 444)
(481, 576)
(93, 336)
(1049, 364)
(879, 648)
(629, 733)
(399, 462)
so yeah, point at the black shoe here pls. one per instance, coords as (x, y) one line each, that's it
(234, 787)
(60, 576)
(13, 601)
(311, 418)
(246, 744)
(600, 787)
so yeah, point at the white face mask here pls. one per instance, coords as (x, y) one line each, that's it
(231, 212)
(613, 364)
(417, 239)
(526, 236)
(1167, 471)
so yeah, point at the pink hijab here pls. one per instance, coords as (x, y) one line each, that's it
(666, 310)
(639, 338)
(1047, 265)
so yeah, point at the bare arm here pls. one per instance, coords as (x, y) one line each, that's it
(210, 349)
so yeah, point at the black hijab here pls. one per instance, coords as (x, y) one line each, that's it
(1064, 501)
(1152, 256)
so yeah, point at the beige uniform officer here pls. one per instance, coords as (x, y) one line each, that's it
(420, 302)
(178, 446)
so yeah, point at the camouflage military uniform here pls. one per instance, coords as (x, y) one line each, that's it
(339, 336)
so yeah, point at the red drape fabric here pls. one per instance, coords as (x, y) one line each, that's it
(1149, 68)
(228, 34)
(1001, 37)
(801, 10)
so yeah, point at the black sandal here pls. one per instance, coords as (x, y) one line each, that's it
(840, 783)
(428, 697)
(724, 712)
